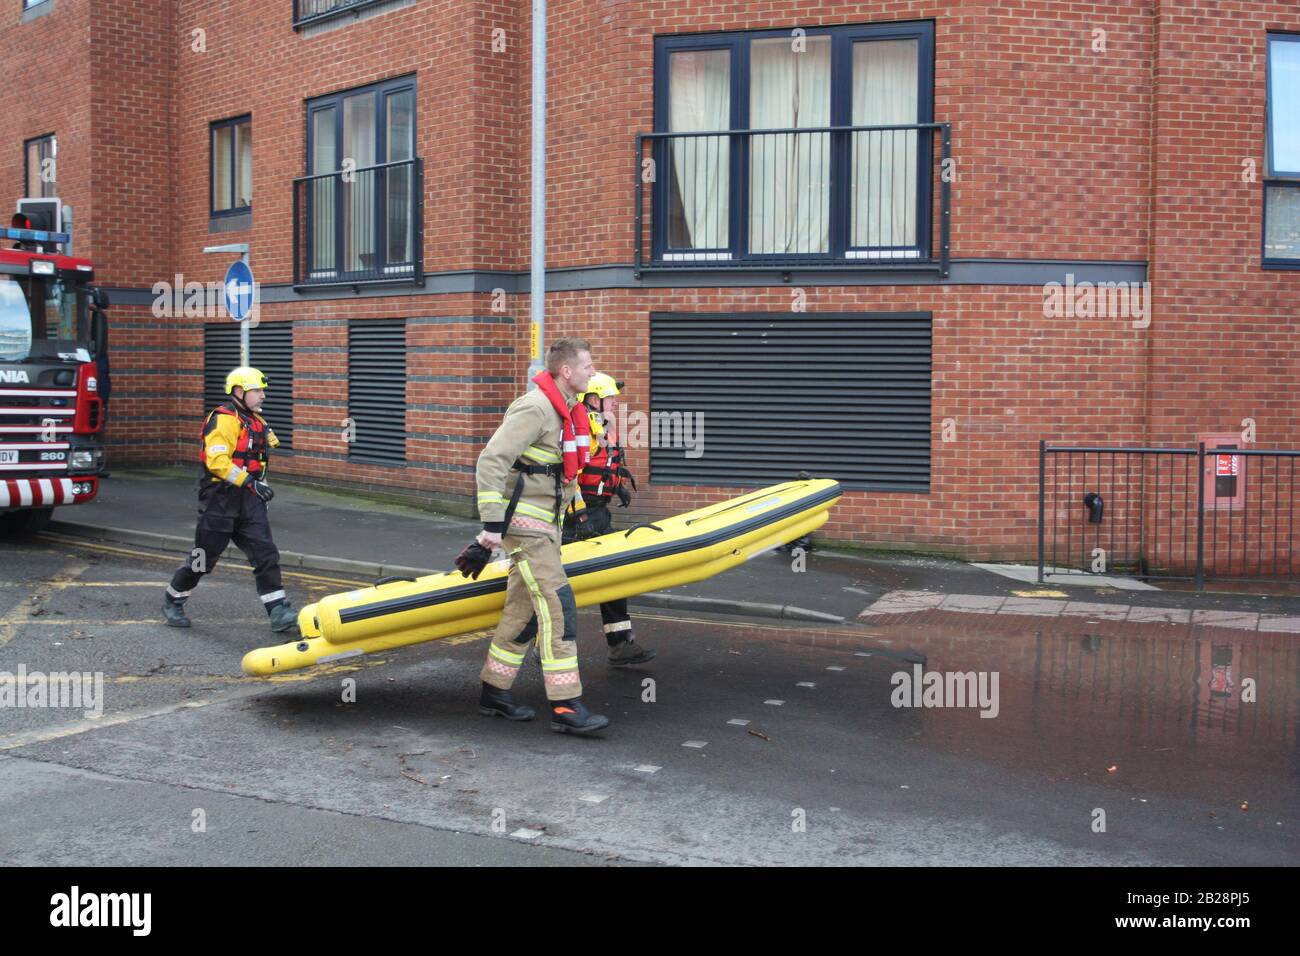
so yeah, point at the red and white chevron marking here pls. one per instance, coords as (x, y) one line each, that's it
(25, 492)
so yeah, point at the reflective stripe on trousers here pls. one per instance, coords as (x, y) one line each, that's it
(539, 604)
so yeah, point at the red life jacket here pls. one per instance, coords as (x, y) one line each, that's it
(249, 452)
(576, 441)
(604, 473)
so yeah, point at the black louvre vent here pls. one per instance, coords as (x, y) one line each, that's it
(840, 395)
(271, 347)
(377, 389)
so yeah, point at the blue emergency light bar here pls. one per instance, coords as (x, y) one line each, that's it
(37, 235)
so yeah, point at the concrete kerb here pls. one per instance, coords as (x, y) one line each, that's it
(681, 602)
(373, 571)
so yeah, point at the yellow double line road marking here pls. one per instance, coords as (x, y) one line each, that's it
(25, 610)
(171, 559)
(244, 687)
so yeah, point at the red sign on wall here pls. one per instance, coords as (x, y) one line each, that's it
(1225, 482)
(1226, 466)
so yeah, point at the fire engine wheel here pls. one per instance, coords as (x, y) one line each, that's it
(24, 522)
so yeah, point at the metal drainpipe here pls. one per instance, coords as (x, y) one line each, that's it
(537, 275)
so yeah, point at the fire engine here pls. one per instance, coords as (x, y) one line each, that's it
(53, 342)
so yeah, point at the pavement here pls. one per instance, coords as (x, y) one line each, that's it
(350, 534)
(746, 742)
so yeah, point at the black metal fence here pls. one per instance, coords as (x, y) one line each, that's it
(361, 225)
(853, 197)
(1194, 514)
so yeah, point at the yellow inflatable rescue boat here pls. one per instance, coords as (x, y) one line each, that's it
(648, 557)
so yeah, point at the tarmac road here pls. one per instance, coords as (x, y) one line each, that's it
(825, 769)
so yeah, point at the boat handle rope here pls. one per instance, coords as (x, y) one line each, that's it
(653, 527)
(392, 579)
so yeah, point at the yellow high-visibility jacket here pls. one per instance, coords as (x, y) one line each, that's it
(230, 450)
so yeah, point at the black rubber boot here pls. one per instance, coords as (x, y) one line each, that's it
(627, 652)
(495, 702)
(573, 717)
(283, 617)
(174, 612)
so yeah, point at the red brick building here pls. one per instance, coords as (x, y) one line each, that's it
(833, 296)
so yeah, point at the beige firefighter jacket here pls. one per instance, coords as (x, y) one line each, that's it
(532, 432)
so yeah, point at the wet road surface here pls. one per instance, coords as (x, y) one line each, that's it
(743, 743)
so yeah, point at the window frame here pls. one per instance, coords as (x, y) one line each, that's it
(1269, 171)
(27, 172)
(739, 44)
(1273, 178)
(383, 89)
(32, 4)
(232, 122)
(1266, 261)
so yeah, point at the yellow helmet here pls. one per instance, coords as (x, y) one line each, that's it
(602, 386)
(246, 378)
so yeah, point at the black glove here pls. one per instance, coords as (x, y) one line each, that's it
(473, 560)
(261, 489)
(624, 496)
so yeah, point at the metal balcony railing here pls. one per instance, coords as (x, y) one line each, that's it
(360, 226)
(309, 11)
(853, 197)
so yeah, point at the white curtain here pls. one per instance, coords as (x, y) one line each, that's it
(401, 146)
(359, 200)
(884, 161)
(221, 167)
(699, 99)
(789, 173)
(324, 259)
(244, 136)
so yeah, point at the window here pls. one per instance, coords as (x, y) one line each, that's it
(232, 166)
(833, 159)
(40, 175)
(1282, 153)
(28, 4)
(360, 201)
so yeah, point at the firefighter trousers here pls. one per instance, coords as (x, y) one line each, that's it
(238, 515)
(540, 605)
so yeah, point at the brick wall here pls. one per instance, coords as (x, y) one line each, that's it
(1071, 144)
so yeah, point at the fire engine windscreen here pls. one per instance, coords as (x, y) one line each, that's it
(41, 318)
(15, 322)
